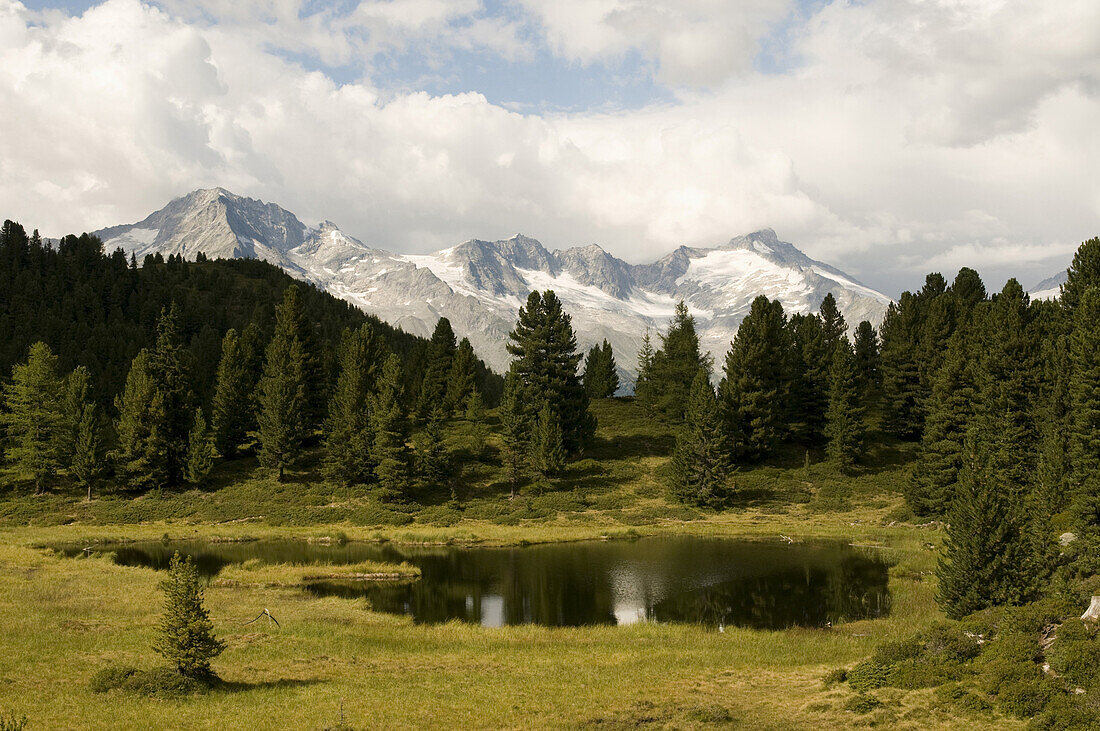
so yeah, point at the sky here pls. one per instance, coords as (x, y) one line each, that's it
(887, 137)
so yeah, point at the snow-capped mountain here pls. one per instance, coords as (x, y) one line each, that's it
(479, 285)
(1050, 288)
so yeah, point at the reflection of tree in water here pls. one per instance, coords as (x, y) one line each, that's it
(854, 589)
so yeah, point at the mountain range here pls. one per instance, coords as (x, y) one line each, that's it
(479, 285)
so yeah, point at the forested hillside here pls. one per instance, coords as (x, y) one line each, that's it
(99, 310)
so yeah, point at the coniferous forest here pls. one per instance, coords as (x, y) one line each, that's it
(974, 415)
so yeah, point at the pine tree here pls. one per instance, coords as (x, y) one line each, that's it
(479, 429)
(1084, 396)
(808, 374)
(233, 392)
(674, 366)
(844, 419)
(833, 326)
(515, 425)
(969, 291)
(172, 403)
(752, 395)
(643, 390)
(348, 435)
(291, 318)
(901, 389)
(78, 395)
(391, 453)
(88, 461)
(700, 460)
(185, 634)
(951, 411)
(1083, 274)
(601, 379)
(200, 453)
(35, 420)
(547, 453)
(433, 461)
(867, 361)
(441, 353)
(135, 426)
(462, 378)
(987, 552)
(545, 355)
(281, 392)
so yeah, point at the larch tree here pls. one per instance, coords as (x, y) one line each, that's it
(200, 453)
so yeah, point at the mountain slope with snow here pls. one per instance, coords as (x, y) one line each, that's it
(1050, 288)
(479, 285)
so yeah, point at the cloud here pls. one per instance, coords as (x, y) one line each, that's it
(891, 147)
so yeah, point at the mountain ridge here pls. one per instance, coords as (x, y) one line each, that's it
(480, 284)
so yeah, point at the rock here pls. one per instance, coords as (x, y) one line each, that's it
(1067, 538)
(1093, 612)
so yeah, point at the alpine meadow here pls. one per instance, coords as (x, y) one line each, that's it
(666, 470)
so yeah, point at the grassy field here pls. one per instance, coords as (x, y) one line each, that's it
(64, 619)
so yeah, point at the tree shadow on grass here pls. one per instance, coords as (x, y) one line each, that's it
(234, 686)
(623, 447)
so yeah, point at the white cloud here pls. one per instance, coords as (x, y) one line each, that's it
(893, 147)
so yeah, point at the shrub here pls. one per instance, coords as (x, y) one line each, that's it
(891, 653)
(834, 676)
(959, 697)
(1067, 713)
(1025, 697)
(869, 675)
(162, 683)
(1076, 653)
(949, 643)
(862, 703)
(110, 677)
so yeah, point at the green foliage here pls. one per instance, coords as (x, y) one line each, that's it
(515, 431)
(34, 419)
(1075, 653)
(753, 392)
(433, 461)
(200, 453)
(545, 363)
(601, 377)
(479, 429)
(862, 703)
(348, 435)
(462, 380)
(869, 675)
(88, 461)
(808, 373)
(700, 465)
(437, 368)
(1084, 397)
(986, 553)
(643, 383)
(155, 683)
(232, 412)
(673, 366)
(1083, 274)
(547, 450)
(844, 417)
(868, 367)
(391, 452)
(281, 393)
(186, 634)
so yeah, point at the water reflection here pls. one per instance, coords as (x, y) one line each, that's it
(711, 581)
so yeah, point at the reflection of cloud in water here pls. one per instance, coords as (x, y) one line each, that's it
(633, 593)
(492, 610)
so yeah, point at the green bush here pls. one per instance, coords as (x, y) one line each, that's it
(958, 696)
(834, 676)
(1025, 697)
(1075, 653)
(869, 675)
(1067, 713)
(862, 703)
(891, 653)
(110, 677)
(949, 644)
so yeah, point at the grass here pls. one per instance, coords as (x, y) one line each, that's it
(66, 619)
(256, 573)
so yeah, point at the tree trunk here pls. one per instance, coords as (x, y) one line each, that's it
(1093, 612)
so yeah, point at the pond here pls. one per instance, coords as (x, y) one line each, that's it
(716, 582)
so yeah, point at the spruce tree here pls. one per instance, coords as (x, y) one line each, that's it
(135, 426)
(1084, 395)
(433, 461)
(545, 355)
(348, 435)
(674, 366)
(969, 291)
(437, 372)
(391, 453)
(866, 354)
(35, 420)
(461, 381)
(547, 453)
(700, 465)
(281, 392)
(752, 395)
(987, 551)
(515, 431)
(88, 462)
(78, 395)
(601, 379)
(844, 417)
(172, 403)
(902, 399)
(200, 453)
(808, 374)
(185, 634)
(231, 406)
(833, 326)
